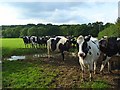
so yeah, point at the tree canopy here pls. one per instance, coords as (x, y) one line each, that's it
(14, 31)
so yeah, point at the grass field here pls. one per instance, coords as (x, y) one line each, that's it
(15, 46)
(12, 43)
(17, 74)
(38, 73)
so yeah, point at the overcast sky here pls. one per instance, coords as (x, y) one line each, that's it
(62, 12)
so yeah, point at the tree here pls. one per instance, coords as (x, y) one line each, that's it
(32, 31)
(52, 30)
(64, 29)
(24, 32)
(42, 31)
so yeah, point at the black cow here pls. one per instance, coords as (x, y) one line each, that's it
(59, 43)
(110, 47)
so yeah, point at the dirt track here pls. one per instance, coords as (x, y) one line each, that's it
(70, 72)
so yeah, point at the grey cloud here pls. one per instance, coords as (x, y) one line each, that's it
(41, 9)
(47, 10)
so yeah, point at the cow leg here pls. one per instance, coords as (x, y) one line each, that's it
(102, 66)
(82, 67)
(82, 76)
(36, 45)
(90, 69)
(109, 67)
(104, 63)
(82, 72)
(90, 75)
(48, 49)
(32, 45)
(25, 45)
(62, 53)
(94, 67)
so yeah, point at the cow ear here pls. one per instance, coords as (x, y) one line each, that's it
(87, 38)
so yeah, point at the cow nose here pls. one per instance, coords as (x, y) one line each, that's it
(82, 54)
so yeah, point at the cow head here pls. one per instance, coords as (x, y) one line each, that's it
(83, 45)
(103, 45)
(108, 44)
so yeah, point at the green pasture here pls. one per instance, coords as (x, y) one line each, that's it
(15, 46)
(12, 43)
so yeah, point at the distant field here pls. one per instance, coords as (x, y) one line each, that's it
(15, 46)
(12, 43)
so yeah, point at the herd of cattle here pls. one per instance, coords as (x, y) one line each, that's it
(89, 48)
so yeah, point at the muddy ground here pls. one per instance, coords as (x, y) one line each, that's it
(70, 71)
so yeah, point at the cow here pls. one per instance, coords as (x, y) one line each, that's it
(58, 44)
(26, 40)
(34, 41)
(73, 40)
(39, 41)
(88, 53)
(109, 46)
(44, 40)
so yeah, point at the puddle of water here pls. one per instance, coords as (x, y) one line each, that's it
(16, 58)
(26, 57)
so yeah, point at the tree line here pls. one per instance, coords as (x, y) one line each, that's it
(15, 31)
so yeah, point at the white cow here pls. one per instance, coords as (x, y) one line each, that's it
(88, 53)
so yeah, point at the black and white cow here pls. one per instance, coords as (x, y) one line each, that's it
(34, 41)
(110, 47)
(73, 41)
(38, 41)
(26, 40)
(88, 53)
(42, 41)
(59, 44)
